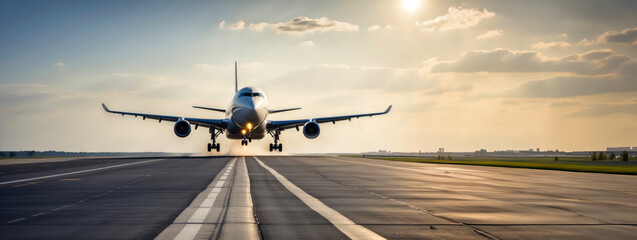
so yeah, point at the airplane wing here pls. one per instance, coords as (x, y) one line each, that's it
(282, 110)
(209, 123)
(285, 124)
(211, 109)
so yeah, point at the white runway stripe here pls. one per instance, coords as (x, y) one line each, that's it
(344, 224)
(195, 222)
(76, 172)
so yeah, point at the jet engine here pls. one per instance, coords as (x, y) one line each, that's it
(182, 128)
(311, 130)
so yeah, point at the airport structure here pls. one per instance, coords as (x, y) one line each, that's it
(509, 153)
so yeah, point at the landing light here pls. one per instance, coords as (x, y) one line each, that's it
(243, 132)
(249, 126)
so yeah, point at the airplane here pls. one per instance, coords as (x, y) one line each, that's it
(246, 118)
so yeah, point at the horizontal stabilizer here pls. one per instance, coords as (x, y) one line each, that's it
(211, 109)
(282, 110)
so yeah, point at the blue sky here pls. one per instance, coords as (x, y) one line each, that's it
(461, 75)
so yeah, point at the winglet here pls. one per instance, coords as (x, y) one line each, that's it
(236, 82)
(105, 108)
(388, 109)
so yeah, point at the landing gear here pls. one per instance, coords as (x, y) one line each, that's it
(244, 142)
(276, 145)
(213, 146)
(213, 136)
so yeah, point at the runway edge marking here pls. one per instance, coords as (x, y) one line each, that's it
(76, 172)
(344, 224)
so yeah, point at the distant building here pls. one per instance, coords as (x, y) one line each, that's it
(441, 150)
(538, 149)
(615, 149)
(634, 148)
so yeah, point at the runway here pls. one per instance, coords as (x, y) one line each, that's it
(301, 197)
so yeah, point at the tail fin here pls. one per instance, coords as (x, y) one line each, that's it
(236, 84)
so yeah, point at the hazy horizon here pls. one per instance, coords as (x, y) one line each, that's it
(460, 75)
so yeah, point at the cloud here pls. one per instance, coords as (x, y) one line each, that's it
(22, 85)
(303, 25)
(490, 34)
(204, 66)
(563, 35)
(59, 64)
(258, 26)
(446, 89)
(562, 104)
(456, 18)
(594, 62)
(606, 109)
(545, 45)
(128, 83)
(250, 64)
(240, 25)
(625, 80)
(378, 27)
(374, 28)
(296, 26)
(329, 77)
(306, 44)
(628, 35)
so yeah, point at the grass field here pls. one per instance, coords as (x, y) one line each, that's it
(575, 164)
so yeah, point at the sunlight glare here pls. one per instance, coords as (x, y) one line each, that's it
(411, 5)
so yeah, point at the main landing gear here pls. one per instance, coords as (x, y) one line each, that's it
(213, 136)
(276, 145)
(213, 146)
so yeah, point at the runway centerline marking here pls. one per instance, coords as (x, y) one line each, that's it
(17, 220)
(38, 214)
(344, 224)
(76, 172)
(195, 222)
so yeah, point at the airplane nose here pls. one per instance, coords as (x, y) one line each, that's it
(248, 118)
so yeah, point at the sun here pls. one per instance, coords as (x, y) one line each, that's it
(411, 5)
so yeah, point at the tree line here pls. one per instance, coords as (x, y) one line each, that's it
(603, 156)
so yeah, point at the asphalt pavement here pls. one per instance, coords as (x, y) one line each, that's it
(302, 197)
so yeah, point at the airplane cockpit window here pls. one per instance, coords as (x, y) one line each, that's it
(246, 94)
(256, 94)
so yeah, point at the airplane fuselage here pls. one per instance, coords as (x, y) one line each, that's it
(247, 113)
